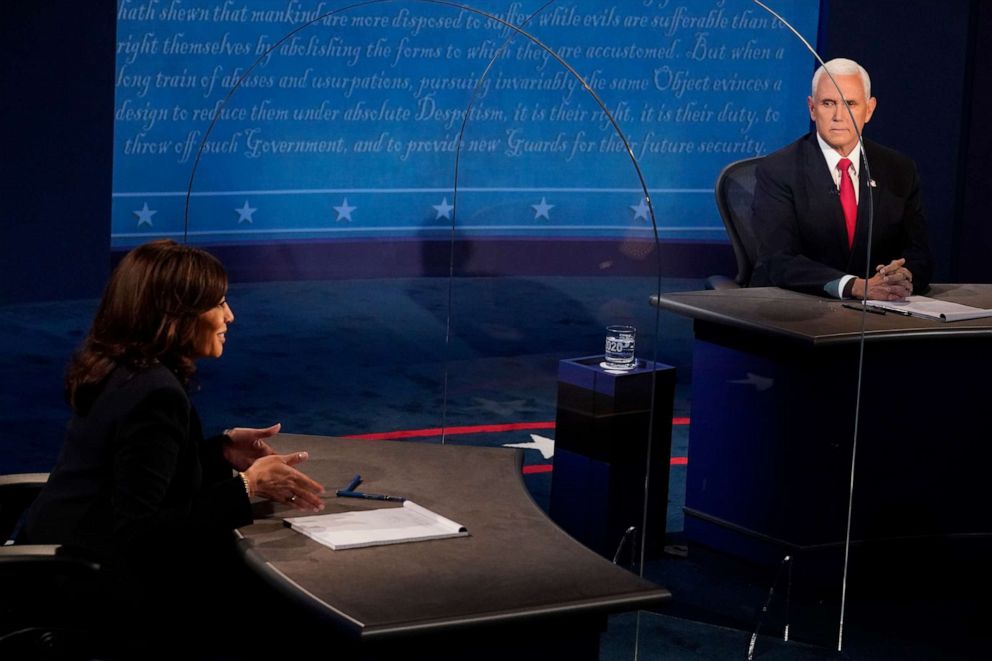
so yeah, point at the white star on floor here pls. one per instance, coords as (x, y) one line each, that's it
(344, 211)
(144, 215)
(443, 210)
(640, 210)
(542, 209)
(543, 444)
(244, 213)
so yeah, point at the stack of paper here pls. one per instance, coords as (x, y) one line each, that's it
(394, 525)
(931, 308)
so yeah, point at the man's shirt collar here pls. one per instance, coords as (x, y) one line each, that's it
(833, 158)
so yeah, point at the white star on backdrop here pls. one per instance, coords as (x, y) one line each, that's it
(144, 215)
(545, 445)
(542, 209)
(244, 213)
(640, 210)
(344, 211)
(443, 210)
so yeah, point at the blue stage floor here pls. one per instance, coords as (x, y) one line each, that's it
(352, 357)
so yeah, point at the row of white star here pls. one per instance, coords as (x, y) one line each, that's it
(344, 211)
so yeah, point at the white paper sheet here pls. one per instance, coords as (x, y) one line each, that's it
(391, 525)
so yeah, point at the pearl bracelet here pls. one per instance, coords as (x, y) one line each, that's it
(244, 478)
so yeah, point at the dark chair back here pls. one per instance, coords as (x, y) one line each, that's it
(17, 492)
(734, 194)
(44, 613)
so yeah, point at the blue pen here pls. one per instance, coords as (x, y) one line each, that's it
(355, 481)
(370, 496)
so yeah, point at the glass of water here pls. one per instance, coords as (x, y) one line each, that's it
(620, 347)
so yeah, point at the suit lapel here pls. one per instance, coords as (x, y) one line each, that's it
(860, 249)
(825, 198)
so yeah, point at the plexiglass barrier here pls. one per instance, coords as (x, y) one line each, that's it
(431, 213)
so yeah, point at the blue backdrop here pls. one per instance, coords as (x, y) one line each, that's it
(348, 127)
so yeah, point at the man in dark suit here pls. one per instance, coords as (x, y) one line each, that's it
(811, 204)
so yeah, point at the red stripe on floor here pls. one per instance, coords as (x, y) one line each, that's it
(547, 468)
(480, 429)
(471, 429)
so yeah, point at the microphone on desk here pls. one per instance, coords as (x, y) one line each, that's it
(753, 641)
(626, 535)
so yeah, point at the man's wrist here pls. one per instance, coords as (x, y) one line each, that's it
(855, 288)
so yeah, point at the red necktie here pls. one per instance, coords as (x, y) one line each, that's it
(847, 199)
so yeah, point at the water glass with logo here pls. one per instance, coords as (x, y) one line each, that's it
(620, 347)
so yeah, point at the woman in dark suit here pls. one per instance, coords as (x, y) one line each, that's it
(137, 487)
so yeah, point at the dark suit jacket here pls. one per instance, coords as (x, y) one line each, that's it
(799, 222)
(136, 483)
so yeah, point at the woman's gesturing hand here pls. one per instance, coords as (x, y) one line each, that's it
(274, 477)
(243, 445)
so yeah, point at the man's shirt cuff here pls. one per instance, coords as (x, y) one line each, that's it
(836, 287)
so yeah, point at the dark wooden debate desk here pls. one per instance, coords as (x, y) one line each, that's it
(517, 587)
(774, 387)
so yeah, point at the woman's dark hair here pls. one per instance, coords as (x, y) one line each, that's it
(148, 314)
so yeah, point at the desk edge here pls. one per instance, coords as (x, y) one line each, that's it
(708, 316)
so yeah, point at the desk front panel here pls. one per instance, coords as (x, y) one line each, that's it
(773, 432)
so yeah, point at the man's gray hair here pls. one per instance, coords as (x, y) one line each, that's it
(843, 67)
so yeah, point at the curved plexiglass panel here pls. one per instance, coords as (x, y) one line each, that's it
(480, 373)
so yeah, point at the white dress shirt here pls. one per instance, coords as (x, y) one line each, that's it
(836, 287)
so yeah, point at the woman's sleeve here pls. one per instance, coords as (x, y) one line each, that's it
(157, 498)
